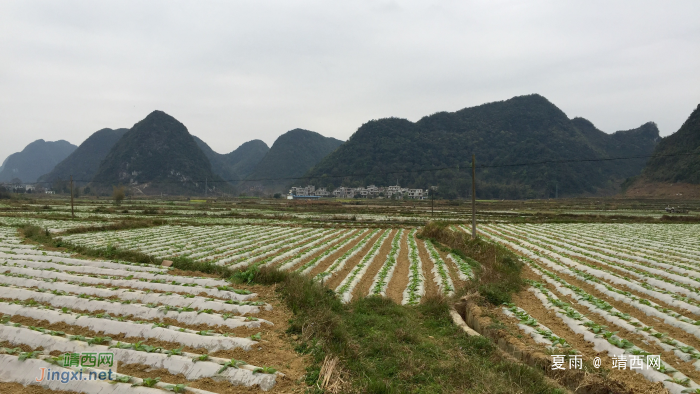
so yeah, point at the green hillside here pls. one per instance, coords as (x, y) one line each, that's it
(157, 155)
(35, 160)
(82, 164)
(292, 155)
(238, 164)
(520, 130)
(244, 159)
(685, 145)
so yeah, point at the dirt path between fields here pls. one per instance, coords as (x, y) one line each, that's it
(285, 248)
(534, 308)
(617, 270)
(362, 289)
(639, 340)
(399, 280)
(452, 270)
(276, 349)
(623, 307)
(320, 251)
(336, 255)
(335, 280)
(431, 288)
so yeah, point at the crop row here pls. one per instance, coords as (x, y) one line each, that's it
(541, 249)
(139, 304)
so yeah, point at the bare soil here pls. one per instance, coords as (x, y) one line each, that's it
(534, 307)
(320, 251)
(431, 288)
(664, 190)
(276, 350)
(334, 256)
(362, 289)
(338, 277)
(452, 269)
(399, 280)
(637, 339)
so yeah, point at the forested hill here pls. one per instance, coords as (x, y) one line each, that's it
(292, 155)
(82, 164)
(678, 155)
(156, 155)
(238, 164)
(520, 130)
(35, 160)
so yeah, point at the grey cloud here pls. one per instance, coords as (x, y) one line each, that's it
(233, 71)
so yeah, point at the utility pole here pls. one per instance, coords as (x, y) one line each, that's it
(432, 202)
(72, 213)
(473, 196)
(206, 186)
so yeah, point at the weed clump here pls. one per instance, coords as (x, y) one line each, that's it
(498, 272)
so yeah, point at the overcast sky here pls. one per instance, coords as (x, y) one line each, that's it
(233, 71)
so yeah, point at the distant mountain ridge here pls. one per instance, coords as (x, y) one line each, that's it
(36, 159)
(83, 162)
(678, 155)
(292, 155)
(519, 130)
(674, 169)
(158, 154)
(237, 164)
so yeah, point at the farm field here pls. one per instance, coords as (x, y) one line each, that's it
(609, 281)
(355, 212)
(168, 330)
(631, 289)
(355, 262)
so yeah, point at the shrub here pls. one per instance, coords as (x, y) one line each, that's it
(118, 194)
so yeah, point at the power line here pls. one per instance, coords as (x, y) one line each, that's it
(406, 171)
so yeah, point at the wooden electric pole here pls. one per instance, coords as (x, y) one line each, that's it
(473, 196)
(72, 213)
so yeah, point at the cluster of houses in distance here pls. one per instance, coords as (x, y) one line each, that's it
(18, 187)
(371, 191)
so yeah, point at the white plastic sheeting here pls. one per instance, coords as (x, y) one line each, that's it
(174, 364)
(141, 312)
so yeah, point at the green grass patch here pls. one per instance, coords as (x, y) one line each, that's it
(498, 272)
(388, 348)
(382, 347)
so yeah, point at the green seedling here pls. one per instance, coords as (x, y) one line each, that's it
(174, 352)
(26, 355)
(176, 388)
(150, 382)
(122, 379)
(268, 370)
(99, 340)
(201, 357)
(139, 346)
(683, 382)
(231, 364)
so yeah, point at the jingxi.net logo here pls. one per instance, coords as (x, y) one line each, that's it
(65, 376)
(81, 367)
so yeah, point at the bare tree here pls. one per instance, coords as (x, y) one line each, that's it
(118, 194)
